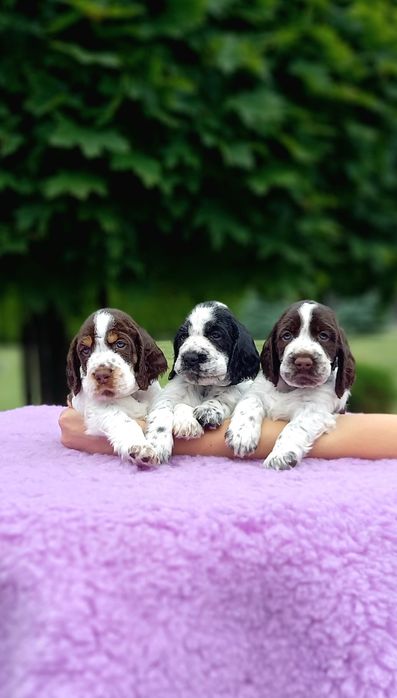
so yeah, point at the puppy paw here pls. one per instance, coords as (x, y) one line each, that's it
(187, 429)
(242, 440)
(281, 461)
(161, 442)
(163, 454)
(143, 455)
(207, 416)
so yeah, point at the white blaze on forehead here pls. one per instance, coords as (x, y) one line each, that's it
(304, 342)
(102, 322)
(306, 313)
(199, 317)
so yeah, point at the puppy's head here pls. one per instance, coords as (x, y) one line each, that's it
(213, 348)
(112, 356)
(305, 346)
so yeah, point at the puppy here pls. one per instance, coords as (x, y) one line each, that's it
(112, 370)
(214, 360)
(307, 373)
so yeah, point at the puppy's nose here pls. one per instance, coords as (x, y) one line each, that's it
(303, 362)
(191, 359)
(102, 375)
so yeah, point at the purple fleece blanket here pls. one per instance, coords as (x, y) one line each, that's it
(206, 578)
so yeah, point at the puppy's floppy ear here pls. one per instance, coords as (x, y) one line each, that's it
(73, 377)
(346, 365)
(270, 361)
(178, 341)
(151, 360)
(244, 360)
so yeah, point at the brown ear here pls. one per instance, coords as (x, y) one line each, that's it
(269, 358)
(346, 371)
(73, 368)
(151, 360)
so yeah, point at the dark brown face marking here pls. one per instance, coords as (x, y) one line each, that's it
(324, 330)
(286, 330)
(124, 337)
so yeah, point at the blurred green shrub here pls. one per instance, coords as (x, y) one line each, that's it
(217, 143)
(362, 314)
(258, 314)
(373, 390)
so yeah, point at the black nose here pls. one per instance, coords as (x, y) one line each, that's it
(102, 375)
(303, 362)
(192, 359)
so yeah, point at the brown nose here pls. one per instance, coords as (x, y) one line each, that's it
(102, 375)
(303, 362)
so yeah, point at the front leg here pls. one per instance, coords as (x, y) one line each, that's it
(159, 431)
(297, 438)
(124, 433)
(185, 424)
(244, 431)
(160, 419)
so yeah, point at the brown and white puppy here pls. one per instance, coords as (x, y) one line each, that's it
(112, 370)
(307, 373)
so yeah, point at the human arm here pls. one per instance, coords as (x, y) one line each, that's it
(369, 436)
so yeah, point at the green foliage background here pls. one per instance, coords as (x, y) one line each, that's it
(155, 154)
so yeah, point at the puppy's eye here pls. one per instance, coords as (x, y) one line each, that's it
(85, 351)
(324, 336)
(120, 344)
(286, 336)
(216, 334)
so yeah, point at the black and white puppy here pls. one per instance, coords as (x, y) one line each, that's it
(215, 359)
(307, 373)
(112, 370)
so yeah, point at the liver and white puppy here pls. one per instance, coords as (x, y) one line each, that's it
(112, 370)
(307, 371)
(214, 360)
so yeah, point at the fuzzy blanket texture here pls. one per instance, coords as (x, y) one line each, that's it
(205, 578)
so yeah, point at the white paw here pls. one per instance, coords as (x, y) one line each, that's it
(207, 416)
(143, 455)
(189, 428)
(161, 441)
(135, 448)
(242, 439)
(282, 460)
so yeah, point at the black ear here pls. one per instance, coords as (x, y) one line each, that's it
(178, 341)
(346, 366)
(73, 377)
(151, 360)
(244, 360)
(270, 361)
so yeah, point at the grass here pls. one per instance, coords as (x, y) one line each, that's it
(375, 350)
(11, 380)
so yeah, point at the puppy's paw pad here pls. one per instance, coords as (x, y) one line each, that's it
(283, 461)
(210, 417)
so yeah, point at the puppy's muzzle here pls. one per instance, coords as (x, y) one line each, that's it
(304, 369)
(104, 381)
(303, 363)
(103, 375)
(192, 360)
